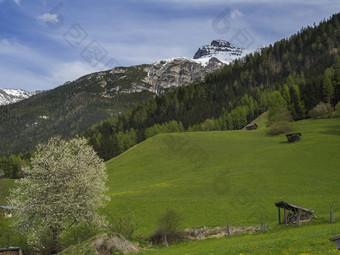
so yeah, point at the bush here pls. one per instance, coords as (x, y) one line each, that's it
(321, 111)
(337, 110)
(78, 234)
(281, 114)
(168, 228)
(280, 122)
(281, 127)
(126, 225)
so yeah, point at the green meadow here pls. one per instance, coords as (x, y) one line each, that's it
(232, 177)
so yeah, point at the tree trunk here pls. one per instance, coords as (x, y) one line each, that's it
(55, 248)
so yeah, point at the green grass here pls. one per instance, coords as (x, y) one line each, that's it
(260, 121)
(287, 240)
(215, 178)
(233, 177)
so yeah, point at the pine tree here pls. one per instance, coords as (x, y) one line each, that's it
(327, 85)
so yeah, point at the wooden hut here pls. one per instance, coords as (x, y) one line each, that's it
(251, 126)
(293, 137)
(296, 213)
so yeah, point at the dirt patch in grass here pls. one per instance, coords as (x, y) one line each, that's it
(202, 233)
(108, 244)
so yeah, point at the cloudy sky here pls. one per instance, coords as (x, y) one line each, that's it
(44, 43)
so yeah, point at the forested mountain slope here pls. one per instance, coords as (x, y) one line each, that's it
(73, 107)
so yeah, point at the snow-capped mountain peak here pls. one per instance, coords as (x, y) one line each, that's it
(222, 50)
(9, 96)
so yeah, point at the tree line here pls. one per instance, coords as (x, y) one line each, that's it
(11, 166)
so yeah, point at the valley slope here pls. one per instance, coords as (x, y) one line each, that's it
(231, 177)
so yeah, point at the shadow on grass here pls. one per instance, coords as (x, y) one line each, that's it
(284, 142)
(331, 130)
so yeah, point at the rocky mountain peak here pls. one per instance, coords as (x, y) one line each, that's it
(220, 43)
(222, 50)
(9, 96)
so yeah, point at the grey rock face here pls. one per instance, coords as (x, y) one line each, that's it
(165, 75)
(223, 50)
(156, 78)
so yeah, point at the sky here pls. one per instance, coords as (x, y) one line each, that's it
(45, 43)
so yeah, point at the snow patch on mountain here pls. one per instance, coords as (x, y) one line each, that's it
(10, 96)
(224, 51)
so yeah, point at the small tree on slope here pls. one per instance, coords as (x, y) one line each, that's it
(63, 189)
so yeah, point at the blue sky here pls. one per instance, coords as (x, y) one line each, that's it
(44, 43)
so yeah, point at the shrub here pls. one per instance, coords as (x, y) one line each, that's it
(337, 110)
(78, 234)
(280, 123)
(208, 125)
(168, 228)
(281, 127)
(126, 225)
(322, 110)
(281, 114)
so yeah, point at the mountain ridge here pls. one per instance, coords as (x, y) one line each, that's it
(73, 107)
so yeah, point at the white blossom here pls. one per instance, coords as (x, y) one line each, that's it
(64, 187)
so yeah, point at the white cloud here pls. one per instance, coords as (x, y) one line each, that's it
(48, 17)
(53, 72)
(235, 14)
(17, 1)
(69, 71)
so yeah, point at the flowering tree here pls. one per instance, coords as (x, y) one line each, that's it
(64, 188)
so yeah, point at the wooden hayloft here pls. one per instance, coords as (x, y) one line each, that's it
(295, 213)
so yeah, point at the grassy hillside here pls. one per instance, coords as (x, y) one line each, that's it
(215, 178)
(233, 177)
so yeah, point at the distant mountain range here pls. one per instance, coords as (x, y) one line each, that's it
(156, 78)
(9, 96)
(75, 106)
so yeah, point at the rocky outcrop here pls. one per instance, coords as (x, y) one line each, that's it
(156, 78)
(165, 75)
(222, 50)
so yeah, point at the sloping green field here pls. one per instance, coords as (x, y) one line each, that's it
(234, 177)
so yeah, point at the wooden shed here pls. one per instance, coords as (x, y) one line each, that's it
(295, 213)
(293, 137)
(11, 251)
(251, 126)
